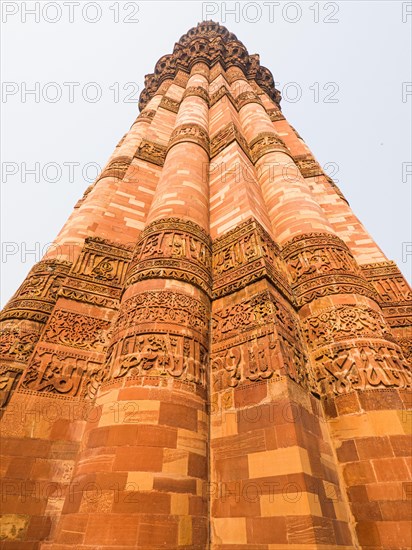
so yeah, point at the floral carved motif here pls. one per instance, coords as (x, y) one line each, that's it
(17, 342)
(247, 97)
(35, 298)
(147, 115)
(163, 306)
(197, 91)
(78, 331)
(345, 322)
(225, 137)
(243, 255)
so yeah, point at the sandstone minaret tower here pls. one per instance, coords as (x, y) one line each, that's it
(214, 353)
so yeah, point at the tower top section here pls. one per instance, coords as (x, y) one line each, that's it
(210, 43)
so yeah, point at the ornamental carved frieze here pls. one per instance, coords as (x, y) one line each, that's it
(208, 43)
(35, 298)
(9, 378)
(345, 322)
(102, 261)
(222, 92)
(91, 293)
(18, 339)
(247, 97)
(181, 79)
(152, 152)
(116, 168)
(389, 282)
(275, 115)
(197, 91)
(225, 137)
(169, 104)
(173, 248)
(61, 373)
(147, 115)
(256, 339)
(342, 368)
(193, 133)
(266, 142)
(321, 264)
(163, 306)
(76, 330)
(406, 346)
(244, 255)
(253, 360)
(242, 316)
(158, 353)
(308, 166)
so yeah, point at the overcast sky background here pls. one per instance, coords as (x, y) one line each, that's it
(366, 134)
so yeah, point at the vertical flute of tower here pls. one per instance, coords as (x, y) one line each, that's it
(352, 349)
(157, 364)
(115, 206)
(283, 187)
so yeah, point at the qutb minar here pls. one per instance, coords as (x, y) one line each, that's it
(214, 352)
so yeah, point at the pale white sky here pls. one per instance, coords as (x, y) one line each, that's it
(357, 53)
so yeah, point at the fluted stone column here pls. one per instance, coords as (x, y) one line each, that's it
(153, 426)
(351, 347)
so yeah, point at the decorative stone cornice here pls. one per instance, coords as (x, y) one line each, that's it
(208, 43)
